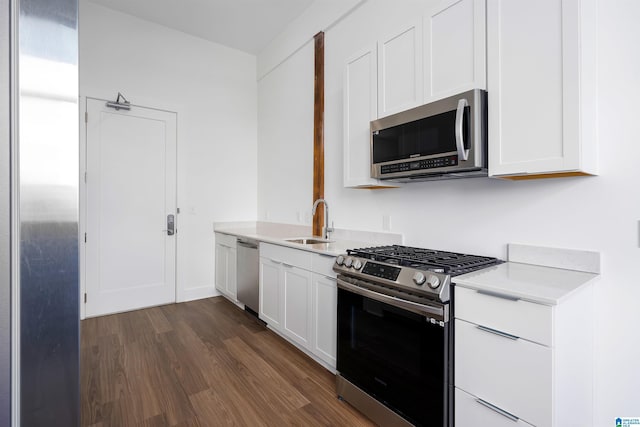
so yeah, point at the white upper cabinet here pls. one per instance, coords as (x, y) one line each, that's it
(360, 107)
(400, 70)
(454, 48)
(541, 85)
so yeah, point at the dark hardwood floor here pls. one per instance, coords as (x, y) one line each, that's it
(201, 363)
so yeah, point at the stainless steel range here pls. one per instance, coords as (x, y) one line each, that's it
(394, 339)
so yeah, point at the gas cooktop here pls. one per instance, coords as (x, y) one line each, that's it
(406, 272)
(450, 263)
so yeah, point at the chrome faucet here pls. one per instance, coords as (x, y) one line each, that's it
(325, 229)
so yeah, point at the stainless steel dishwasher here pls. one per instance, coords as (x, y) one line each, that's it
(247, 274)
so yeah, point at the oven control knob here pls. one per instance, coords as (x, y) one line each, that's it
(357, 264)
(433, 282)
(348, 262)
(419, 278)
(340, 260)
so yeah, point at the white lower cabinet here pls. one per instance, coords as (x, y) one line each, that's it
(522, 363)
(226, 259)
(474, 412)
(325, 311)
(523, 383)
(298, 299)
(297, 305)
(270, 271)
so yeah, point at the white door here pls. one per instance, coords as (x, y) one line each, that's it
(130, 194)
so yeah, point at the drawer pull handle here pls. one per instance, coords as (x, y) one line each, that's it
(276, 262)
(287, 265)
(502, 334)
(498, 295)
(498, 410)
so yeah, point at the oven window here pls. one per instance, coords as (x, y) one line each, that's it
(425, 137)
(394, 355)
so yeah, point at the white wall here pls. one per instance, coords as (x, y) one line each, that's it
(483, 215)
(318, 16)
(285, 142)
(214, 91)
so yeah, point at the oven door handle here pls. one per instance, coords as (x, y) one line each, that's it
(414, 307)
(462, 153)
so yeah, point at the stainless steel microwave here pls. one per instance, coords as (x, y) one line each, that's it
(440, 140)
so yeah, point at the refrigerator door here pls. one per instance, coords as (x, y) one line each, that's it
(47, 215)
(5, 226)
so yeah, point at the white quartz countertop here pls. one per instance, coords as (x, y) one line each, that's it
(279, 236)
(542, 285)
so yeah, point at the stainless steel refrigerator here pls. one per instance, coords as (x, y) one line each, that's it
(39, 294)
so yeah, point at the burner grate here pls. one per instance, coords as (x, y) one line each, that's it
(425, 259)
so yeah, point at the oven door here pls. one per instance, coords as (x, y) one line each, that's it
(397, 356)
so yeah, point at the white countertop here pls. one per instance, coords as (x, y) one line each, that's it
(278, 236)
(542, 285)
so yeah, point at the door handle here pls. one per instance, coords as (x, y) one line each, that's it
(171, 225)
(462, 153)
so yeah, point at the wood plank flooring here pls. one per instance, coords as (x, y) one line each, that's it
(201, 363)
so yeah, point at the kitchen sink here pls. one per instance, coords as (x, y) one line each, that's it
(308, 240)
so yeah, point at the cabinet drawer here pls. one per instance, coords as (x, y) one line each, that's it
(513, 374)
(226, 240)
(520, 318)
(323, 264)
(470, 413)
(290, 256)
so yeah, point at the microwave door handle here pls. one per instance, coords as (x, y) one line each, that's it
(462, 153)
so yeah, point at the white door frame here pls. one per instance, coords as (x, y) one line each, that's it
(82, 220)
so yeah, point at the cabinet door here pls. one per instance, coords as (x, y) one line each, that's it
(400, 70)
(474, 412)
(325, 311)
(232, 282)
(360, 107)
(513, 374)
(221, 268)
(540, 65)
(297, 305)
(454, 48)
(270, 309)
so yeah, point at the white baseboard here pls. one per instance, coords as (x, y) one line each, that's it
(197, 293)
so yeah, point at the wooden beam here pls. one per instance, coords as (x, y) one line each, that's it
(318, 132)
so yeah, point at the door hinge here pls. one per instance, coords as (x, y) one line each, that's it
(85, 237)
(86, 117)
(177, 210)
(85, 177)
(85, 297)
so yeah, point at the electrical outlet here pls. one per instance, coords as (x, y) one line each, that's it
(386, 222)
(299, 216)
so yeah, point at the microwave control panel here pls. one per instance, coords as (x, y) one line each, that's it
(438, 162)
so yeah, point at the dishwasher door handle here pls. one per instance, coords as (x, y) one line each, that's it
(249, 245)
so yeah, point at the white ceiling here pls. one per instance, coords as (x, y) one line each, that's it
(247, 25)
